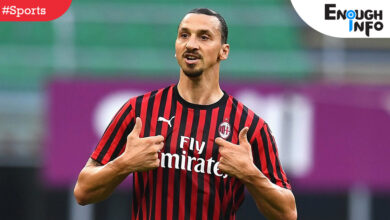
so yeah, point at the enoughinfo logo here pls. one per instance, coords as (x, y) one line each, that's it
(358, 19)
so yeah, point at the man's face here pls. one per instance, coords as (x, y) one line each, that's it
(198, 44)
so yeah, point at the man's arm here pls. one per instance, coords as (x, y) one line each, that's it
(96, 181)
(276, 203)
(272, 200)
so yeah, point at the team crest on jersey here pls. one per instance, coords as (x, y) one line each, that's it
(224, 130)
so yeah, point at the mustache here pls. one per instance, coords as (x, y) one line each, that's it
(192, 53)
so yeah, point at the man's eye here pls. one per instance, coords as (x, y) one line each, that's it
(204, 37)
(184, 35)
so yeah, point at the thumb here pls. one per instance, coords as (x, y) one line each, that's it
(243, 135)
(137, 127)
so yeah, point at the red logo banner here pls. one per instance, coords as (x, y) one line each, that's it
(32, 10)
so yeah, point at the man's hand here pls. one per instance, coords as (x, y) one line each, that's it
(140, 154)
(96, 181)
(236, 160)
(273, 201)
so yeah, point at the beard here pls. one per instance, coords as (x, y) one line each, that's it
(191, 70)
(193, 74)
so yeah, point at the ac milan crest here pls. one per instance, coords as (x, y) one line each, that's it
(224, 130)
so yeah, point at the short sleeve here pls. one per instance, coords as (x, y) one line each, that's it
(265, 156)
(114, 138)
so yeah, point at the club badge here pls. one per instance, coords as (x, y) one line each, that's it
(224, 130)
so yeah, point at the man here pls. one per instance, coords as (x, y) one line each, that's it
(190, 147)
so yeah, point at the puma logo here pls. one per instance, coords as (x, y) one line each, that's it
(166, 120)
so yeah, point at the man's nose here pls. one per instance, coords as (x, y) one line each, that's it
(192, 44)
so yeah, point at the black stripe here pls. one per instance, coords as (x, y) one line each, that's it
(158, 132)
(277, 164)
(161, 109)
(113, 134)
(234, 202)
(213, 188)
(240, 125)
(123, 139)
(135, 199)
(222, 187)
(206, 129)
(138, 104)
(116, 115)
(238, 200)
(236, 195)
(141, 188)
(189, 173)
(232, 119)
(266, 151)
(244, 115)
(167, 149)
(256, 157)
(148, 122)
(176, 196)
(252, 128)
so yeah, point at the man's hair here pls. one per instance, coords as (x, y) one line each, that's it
(206, 11)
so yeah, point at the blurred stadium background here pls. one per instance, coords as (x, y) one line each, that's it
(297, 74)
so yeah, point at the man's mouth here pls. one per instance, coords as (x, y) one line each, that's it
(191, 58)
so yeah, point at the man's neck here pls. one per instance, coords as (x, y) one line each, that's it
(202, 90)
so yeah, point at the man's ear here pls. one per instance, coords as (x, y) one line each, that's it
(224, 52)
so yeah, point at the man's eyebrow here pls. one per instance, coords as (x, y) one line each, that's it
(201, 31)
(205, 32)
(184, 29)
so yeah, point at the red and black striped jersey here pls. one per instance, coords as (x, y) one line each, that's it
(188, 183)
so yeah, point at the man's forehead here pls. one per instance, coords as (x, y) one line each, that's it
(200, 21)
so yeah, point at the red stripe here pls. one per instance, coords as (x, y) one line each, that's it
(132, 116)
(171, 172)
(183, 173)
(164, 129)
(217, 206)
(117, 138)
(156, 107)
(248, 122)
(110, 129)
(144, 176)
(237, 197)
(143, 112)
(284, 176)
(249, 118)
(263, 159)
(273, 157)
(237, 185)
(236, 125)
(257, 131)
(209, 154)
(240, 199)
(194, 190)
(260, 146)
(137, 197)
(151, 183)
(133, 213)
(153, 122)
(236, 131)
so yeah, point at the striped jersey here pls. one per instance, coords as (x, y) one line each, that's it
(188, 183)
